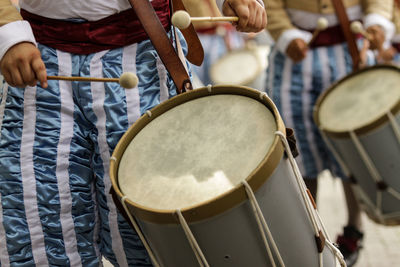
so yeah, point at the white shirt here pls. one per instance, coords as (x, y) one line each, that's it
(83, 9)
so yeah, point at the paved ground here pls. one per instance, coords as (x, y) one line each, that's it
(381, 244)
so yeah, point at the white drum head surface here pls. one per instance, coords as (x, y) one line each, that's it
(196, 151)
(360, 100)
(238, 67)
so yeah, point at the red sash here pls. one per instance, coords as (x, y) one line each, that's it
(88, 37)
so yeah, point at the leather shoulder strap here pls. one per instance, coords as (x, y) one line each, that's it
(154, 29)
(345, 25)
(195, 52)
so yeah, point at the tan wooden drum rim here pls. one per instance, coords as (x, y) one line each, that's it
(366, 128)
(223, 202)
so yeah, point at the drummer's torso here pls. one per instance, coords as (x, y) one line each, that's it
(66, 9)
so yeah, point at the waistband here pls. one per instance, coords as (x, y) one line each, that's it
(88, 37)
(330, 36)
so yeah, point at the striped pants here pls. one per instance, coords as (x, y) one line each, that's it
(55, 146)
(295, 87)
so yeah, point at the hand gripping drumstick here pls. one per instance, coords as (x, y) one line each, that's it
(322, 24)
(181, 19)
(356, 27)
(127, 80)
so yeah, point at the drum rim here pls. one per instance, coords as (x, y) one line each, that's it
(218, 204)
(245, 82)
(362, 129)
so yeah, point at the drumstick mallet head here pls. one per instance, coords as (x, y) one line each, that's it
(357, 28)
(127, 80)
(181, 19)
(322, 24)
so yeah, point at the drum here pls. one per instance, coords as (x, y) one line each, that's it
(243, 67)
(205, 181)
(359, 120)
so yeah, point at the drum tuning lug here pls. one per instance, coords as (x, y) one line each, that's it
(382, 186)
(148, 112)
(209, 88)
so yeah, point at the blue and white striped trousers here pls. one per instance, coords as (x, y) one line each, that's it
(295, 87)
(55, 146)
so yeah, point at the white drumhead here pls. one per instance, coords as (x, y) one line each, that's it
(360, 100)
(239, 67)
(196, 151)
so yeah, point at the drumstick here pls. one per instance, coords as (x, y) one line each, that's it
(181, 19)
(322, 24)
(356, 27)
(126, 80)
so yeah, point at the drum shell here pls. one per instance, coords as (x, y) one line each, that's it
(233, 238)
(227, 235)
(382, 146)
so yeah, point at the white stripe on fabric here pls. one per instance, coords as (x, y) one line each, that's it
(162, 74)
(271, 75)
(96, 229)
(340, 61)
(3, 104)
(63, 152)
(98, 94)
(132, 95)
(324, 61)
(286, 105)
(4, 257)
(29, 179)
(307, 104)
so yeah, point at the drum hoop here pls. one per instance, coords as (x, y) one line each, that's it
(218, 204)
(362, 129)
(224, 57)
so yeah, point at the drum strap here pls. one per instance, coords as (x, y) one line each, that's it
(345, 24)
(292, 142)
(151, 24)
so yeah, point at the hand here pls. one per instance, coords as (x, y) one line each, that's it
(386, 55)
(22, 65)
(364, 54)
(377, 37)
(252, 15)
(297, 50)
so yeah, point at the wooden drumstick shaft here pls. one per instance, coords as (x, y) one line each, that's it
(322, 24)
(211, 19)
(314, 36)
(83, 79)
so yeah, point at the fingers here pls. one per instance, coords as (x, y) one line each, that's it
(40, 71)
(22, 66)
(297, 50)
(252, 15)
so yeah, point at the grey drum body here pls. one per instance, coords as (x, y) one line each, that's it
(194, 171)
(365, 137)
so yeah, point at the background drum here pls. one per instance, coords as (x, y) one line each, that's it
(245, 67)
(204, 179)
(359, 119)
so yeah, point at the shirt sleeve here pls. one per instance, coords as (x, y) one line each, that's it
(13, 29)
(280, 26)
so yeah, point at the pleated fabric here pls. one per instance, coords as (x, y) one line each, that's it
(55, 147)
(295, 87)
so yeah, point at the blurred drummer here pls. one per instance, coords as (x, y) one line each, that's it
(391, 53)
(299, 71)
